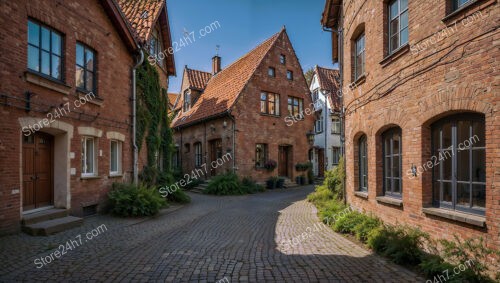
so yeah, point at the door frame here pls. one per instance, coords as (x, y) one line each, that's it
(288, 151)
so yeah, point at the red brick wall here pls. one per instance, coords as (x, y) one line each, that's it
(414, 89)
(86, 22)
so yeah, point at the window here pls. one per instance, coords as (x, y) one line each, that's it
(363, 164)
(44, 50)
(115, 158)
(335, 125)
(296, 107)
(85, 68)
(392, 162)
(457, 4)
(398, 24)
(271, 72)
(289, 75)
(459, 179)
(335, 155)
(270, 103)
(187, 101)
(282, 59)
(198, 160)
(315, 95)
(176, 160)
(260, 155)
(156, 47)
(359, 58)
(88, 157)
(318, 126)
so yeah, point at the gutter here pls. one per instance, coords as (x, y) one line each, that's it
(134, 117)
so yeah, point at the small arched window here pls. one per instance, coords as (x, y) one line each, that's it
(363, 164)
(392, 162)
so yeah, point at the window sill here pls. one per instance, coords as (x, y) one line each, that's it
(390, 200)
(475, 220)
(40, 80)
(395, 55)
(453, 15)
(270, 115)
(361, 194)
(359, 81)
(95, 100)
(115, 175)
(89, 177)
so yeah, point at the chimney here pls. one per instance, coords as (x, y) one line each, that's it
(216, 64)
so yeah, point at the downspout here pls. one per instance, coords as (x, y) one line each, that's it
(134, 117)
(340, 33)
(234, 139)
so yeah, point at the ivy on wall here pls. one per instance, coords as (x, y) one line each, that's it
(153, 125)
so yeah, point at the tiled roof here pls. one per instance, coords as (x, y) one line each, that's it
(172, 98)
(328, 80)
(142, 15)
(224, 88)
(198, 79)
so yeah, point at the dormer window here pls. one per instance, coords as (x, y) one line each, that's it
(187, 101)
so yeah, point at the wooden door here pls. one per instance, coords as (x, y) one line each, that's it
(37, 171)
(283, 161)
(321, 163)
(215, 153)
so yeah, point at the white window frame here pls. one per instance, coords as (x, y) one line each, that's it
(319, 125)
(335, 125)
(84, 157)
(335, 155)
(118, 157)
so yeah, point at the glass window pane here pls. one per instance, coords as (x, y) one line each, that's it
(359, 66)
(446, 135)
(56, 43)
(396, 142)
(387, 147)
(79, 77)
(478, 134)
(90, 155)
(301, 106)
(89, 85)
(79, 54)
(277, 103)
(463, 163)
(404, 36)
(446, 192)
(463, 133)
(271, 97)
(396, 170)
(33, 58)
(271, 107)
(404, 20)
(479, 195)
(404, 5)
(56, 67)
(395, 42)
(394, 9)
(394, 27)
(397, 186)
(114, 157)
(388, 185)
(45, 39)
(463, 194)
(89, 57)
(436, 140)
(436, 191)
(45, 68)
(446, 161)
(478, 165)
(33, 33)
(387, 171)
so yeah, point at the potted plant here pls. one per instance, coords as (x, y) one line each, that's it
(270, 165)
(271, 183)
(281, 182)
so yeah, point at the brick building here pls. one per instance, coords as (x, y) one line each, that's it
(245, 111)
(65, 110)
(420, 89)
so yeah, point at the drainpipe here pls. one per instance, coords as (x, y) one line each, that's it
(234, 140)
(340, 34)
(134, 117)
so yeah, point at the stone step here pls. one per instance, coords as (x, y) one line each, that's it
(53, 226)
(44, 215)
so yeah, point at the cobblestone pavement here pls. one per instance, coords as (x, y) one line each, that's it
(239, 238)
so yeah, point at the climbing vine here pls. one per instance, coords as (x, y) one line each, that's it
(153, 126)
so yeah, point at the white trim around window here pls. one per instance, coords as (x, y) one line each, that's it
(89, 156)
(115, 158)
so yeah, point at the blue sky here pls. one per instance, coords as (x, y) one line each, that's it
(243, 25)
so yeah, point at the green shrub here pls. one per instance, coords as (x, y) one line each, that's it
(130, 200)
(193, 183)
(227, 184)
(432, 266)
(331, 211)
(364, 228)
(250, 186)
(179, 196)
(348, 222)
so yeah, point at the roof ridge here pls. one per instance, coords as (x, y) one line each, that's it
(330, 69)
(198, 70)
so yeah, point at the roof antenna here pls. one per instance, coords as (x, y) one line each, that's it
(217, 48)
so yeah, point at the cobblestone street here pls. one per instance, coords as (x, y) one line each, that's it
(239, 238)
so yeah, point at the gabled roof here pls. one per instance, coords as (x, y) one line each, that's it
(120, 22)
(172, 98)
(197, 79)
(224, 88)
(329, 80)
(143, 15)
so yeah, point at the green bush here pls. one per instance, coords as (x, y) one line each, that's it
(130, 200)
(401, 244)
(227, 184)
(250, 186)
(348, 222)
(365, 227)
(179, 196)
(331, 211)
